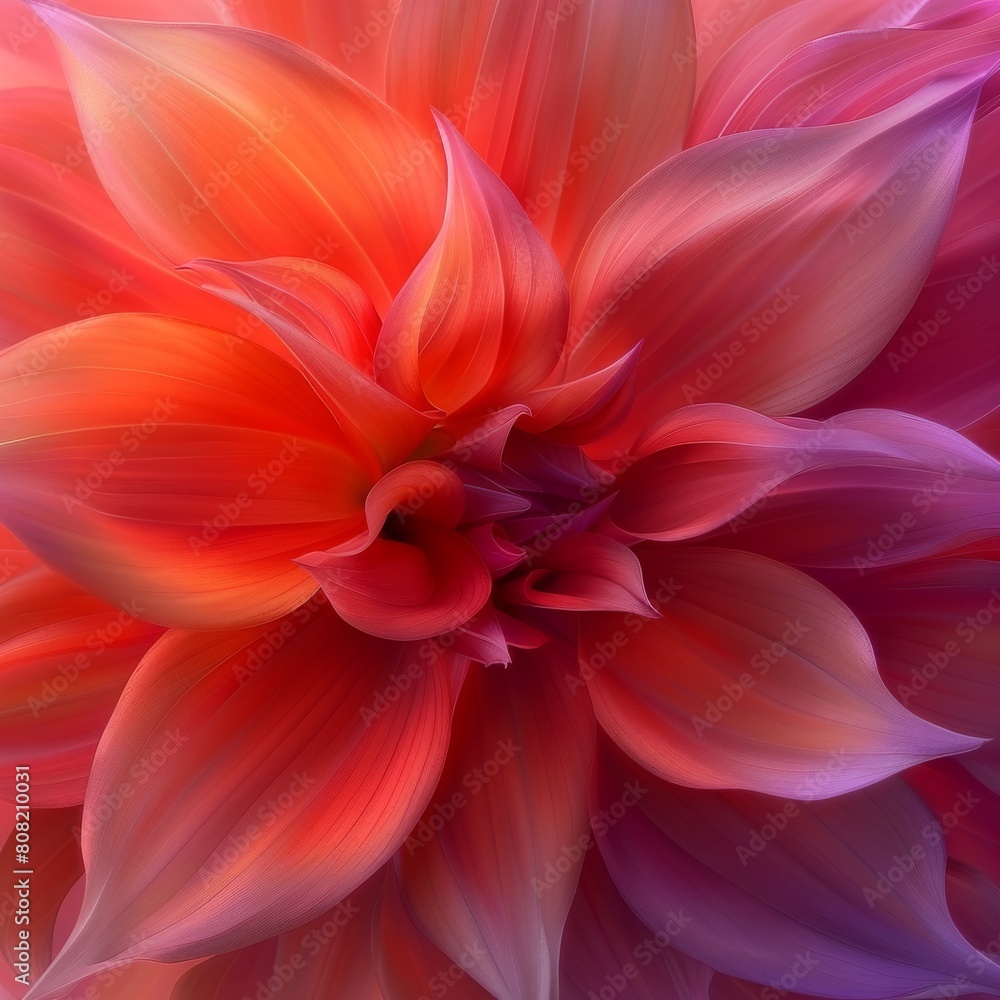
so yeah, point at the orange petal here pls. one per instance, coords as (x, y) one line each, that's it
(236, 145)
(296, 788)
(157, 461)
(569, 102)
(484, 315)
(66, 252)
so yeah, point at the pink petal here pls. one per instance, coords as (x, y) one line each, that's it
(64, 658)
(935, 626)
(482, 318)
(924, 489)
(242, 146)
(568, 103)
(607, 947)
(585, 572)
(773, 79)
(764, 244)
(513, 791)
(841, 898)
(710, 465)
(296, 784)
(942, 362)
(154, 461)
(755, 677)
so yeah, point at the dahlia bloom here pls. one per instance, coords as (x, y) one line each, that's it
(500, 499)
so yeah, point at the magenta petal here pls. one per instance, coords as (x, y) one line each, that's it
(845, 896)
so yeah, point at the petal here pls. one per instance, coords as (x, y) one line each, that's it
(204, 160)
(942, 362)
(923, 490)
(781, 74)
(409, 964)
(152, 460)
(605, 945)
(709, 464)
(294, 791)
(56, 866)
(793, 894)
(765, 245)
(569, 103)
(513, 791)
(329, 325)
(351, 34)
(64, 658)
(483, 316)
(586, 572)
(329, 956)
(755, 677)
(935, 626)
(67, 253)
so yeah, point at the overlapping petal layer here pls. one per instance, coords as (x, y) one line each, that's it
(297, 783)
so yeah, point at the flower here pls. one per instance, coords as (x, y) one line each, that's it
(510, 516)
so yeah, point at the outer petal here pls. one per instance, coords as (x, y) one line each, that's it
(941, 493)
(292, 794)
(351, 34)
(64, 658)
(605, 945)
(771, 78)
(66, 252)
(232, 144)
(765, 889)
(328, 957)
(513, 791)
(755, 677)
(151, 461)
(780, 250)
(483, 317)
(935, 626)
(942, 362)
(569, 103)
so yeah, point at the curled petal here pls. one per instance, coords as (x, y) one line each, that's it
(483, 317)
(157, 461)
(233, 144)
(816, 891)
(755, 677)
(698, 284)
(295, 788)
